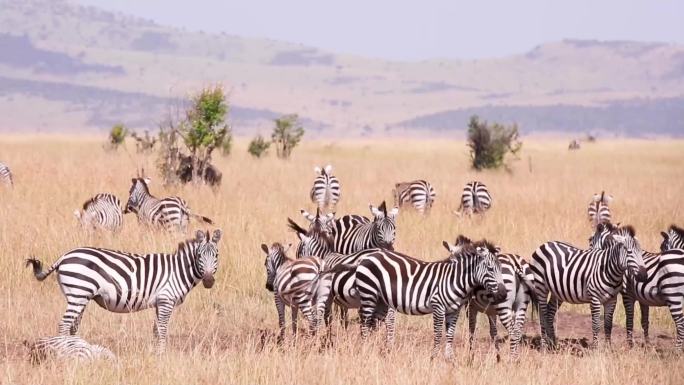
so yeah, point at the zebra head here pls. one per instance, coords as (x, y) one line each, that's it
(325, 222)
(601, 235)
(275, 256)
(384, 225)
(139, 190)
(631, 255)
(206, 256)
(488, 270)
(673, 239)
(317, 241)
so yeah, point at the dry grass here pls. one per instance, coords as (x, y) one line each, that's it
(216, 336)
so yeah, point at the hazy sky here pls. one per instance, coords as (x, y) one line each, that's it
(420, 29)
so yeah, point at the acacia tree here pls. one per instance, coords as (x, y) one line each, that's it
(287, 133)
(117, 136)
(489, 143)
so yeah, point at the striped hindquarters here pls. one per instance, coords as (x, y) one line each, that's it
(170, 213)
(66, 348)
(326, 188)
(598, 210)
(5, 175)
(420, 194)
(101, 211)
(475, 198)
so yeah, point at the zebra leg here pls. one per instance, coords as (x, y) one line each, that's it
(366, 315)
(294, 309)
(280, 307)
(72, 316)
(595, 307)
(451, 319)
(77, 323)
(493, 334)
(553, 306)
(628, 303)
(164, 310)
(644, 320)
(515, 333)
(390, 325)
(678, 318)
(472, 323)
(608, 311)
(438, 324)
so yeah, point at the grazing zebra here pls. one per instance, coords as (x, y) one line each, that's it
(295, 283)
(419, 193)
(326, 188)
(66, 348)
(389, 280)
(574, 145)
(584, 276)
(512, 310)
(5, 175)
(475, 199)
(171, 213)
(354, 233)
(598, 210)
(673, 239)
(103, 211)
(124, 283)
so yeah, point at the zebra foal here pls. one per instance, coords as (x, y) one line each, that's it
(475, 199)
(419, 193)
(103, 212)
(66, 348)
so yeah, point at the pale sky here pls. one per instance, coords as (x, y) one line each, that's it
(419, 29)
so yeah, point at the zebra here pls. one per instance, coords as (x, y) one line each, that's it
(598, 209)
(673, 239)
(64, 348)
(475, 199)
(387, 279)
(170, 213)
(354, 233)
(317, 241)
(295, 283)
(589, 276)
(512, 311)
(574, 145)
(326, 188)
(324, 221)
(103, 211)
(124, 283)
(419, 193)
(6, 175)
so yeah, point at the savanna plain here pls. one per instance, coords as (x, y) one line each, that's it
(224, 334)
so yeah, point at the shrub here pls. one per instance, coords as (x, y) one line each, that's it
(144, 144)
(117, 136)
(489, 144)
(258, 147)
(286, 134)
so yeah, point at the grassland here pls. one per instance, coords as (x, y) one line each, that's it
(216, 336)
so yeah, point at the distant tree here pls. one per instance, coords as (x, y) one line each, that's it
(117, 136)
(144, 143)
(258, 147)
(489, 144)
(287, 133)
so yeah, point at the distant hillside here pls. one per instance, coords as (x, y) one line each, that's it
(70, 67)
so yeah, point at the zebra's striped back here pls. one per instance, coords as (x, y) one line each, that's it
(598, 209)
(326, 188)
(5, 175)
(103, 211)
(354, 233)
(419, 193)
(66, 348)
(475, 198)
(673, 239)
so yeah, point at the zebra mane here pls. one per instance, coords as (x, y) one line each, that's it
(485, 243)
(463, 240)
(142, 181)
(628, 229)
(677, 230)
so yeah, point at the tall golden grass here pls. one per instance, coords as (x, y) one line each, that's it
(216, 336)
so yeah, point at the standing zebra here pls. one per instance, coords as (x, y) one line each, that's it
(512, 310)
(326, 188)
(5, 175)
(475, 199)
(324, 221)
(389, 280)
(419, 193)
(354, 233)
(673, 239)
(125, 283)
(171, 213)
(598, 210)
(66, 347)
(103, 211)
(295, 282)
(584, 276)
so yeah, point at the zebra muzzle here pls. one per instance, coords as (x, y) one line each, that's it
(208, 281)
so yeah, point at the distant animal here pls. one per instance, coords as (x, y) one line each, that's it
(386, 279)
(123, 283)
(591, 276)
(598, 210)
(475, 199)
(419, 193)
(574, 145)
(66, 348)
(101, 212)
(294, 283)
(673, 239)
(354, 233)
(5, 175)
(512, 310)
(171, 213)
(326, 188)
(211, 176)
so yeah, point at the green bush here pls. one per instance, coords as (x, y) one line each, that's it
(258, 147)
(489, 144)
(287, 133)
(117, 135)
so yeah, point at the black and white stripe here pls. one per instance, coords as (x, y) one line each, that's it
(103, 211)
(389, 280)
(598, 209)
(589, 276)
(673, 239)
(170, 213)
(124, 283)
(66, 348)
(419, 193)
(326, 188)
(475, 199)
(354, 233)
(5, 175)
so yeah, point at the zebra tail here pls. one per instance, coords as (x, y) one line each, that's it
(202, 219)
(38, 268)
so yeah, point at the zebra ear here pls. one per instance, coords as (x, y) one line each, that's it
(446, 245)
(306, 215)
(317, 170)
(376, 213)
(147, 180)
(216, 236)
(597, 197)
(264, 248)
(665, 235)
(200, 236)
(330, 216)
(328, 169)
(393, 213)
